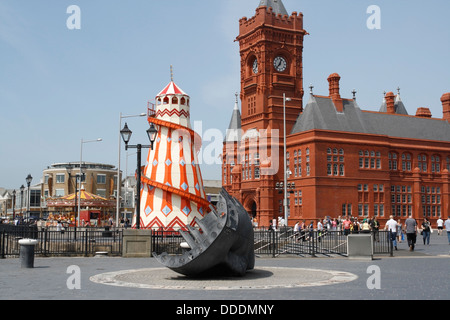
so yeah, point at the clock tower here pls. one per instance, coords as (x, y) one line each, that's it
(271, 50)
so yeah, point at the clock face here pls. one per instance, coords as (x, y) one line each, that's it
(255, 66)
(280, 64)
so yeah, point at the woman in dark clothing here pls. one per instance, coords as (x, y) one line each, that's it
(426, 231)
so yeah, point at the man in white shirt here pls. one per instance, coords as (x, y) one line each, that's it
(447, 227)
(391, 226)
(440, 225)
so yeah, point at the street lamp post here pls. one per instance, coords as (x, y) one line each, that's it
(28, 179)
(69, 168)
(285, 153)
(118, 185)
(14, 204)
(126, 135)
(22, 188)
(77, 223)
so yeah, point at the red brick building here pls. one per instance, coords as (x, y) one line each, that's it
(341, 160)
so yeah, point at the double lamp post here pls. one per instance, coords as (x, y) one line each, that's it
(152, 132)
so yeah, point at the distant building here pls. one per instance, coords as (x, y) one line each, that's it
(62, 179)
(15, 204)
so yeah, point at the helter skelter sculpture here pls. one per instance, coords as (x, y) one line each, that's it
(219, 239)
(223, 245)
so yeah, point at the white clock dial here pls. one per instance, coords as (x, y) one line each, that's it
(280, 64)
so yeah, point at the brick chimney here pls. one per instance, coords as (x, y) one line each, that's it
(390, 102)
(333, 81)
(445, 99)
(423, 112)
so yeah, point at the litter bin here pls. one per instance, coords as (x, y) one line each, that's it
(27, 252)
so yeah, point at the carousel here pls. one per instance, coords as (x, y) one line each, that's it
(94, 209)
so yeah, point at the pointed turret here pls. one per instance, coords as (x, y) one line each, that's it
(276, 5)
(234, 129)
(398, 106)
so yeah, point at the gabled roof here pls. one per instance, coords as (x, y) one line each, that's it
(320, 114)
(277, 6)
(171, 89)
(399, 106)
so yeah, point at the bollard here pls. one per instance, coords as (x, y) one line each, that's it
(27, 252)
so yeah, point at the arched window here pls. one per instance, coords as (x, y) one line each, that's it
(183, 101)
(406, 162)
(341, 170)
(174, 100)
(166, 100)
(393, 161)
(435, 163)
(422, 161)
(335, 169)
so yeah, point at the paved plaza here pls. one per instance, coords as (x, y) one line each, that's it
(422, 274)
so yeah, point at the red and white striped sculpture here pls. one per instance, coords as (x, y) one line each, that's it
(172, 194)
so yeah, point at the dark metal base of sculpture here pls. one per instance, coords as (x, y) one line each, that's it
(222, 246)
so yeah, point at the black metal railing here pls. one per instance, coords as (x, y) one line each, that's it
(70, 242)
(304, 243)
(89, 241)
(166, 241)
(284, 242)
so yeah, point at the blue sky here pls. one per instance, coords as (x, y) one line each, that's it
(58, 86)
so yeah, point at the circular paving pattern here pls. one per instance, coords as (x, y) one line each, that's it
(259, 278)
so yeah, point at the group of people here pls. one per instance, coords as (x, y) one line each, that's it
(349, 225)
(411, 228)
(345, 225)
(399, 231)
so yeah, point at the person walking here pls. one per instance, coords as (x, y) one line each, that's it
(399, 231)
(411, 232)
(346, 225)
(297, 231)
(426, 230)
(296, 228)
(334, 225)
(440, 225)
(365, 227)
(303, 230)
(447, 227)
(375, 225)
(311, 230)
(319, 230)
(391, 226)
